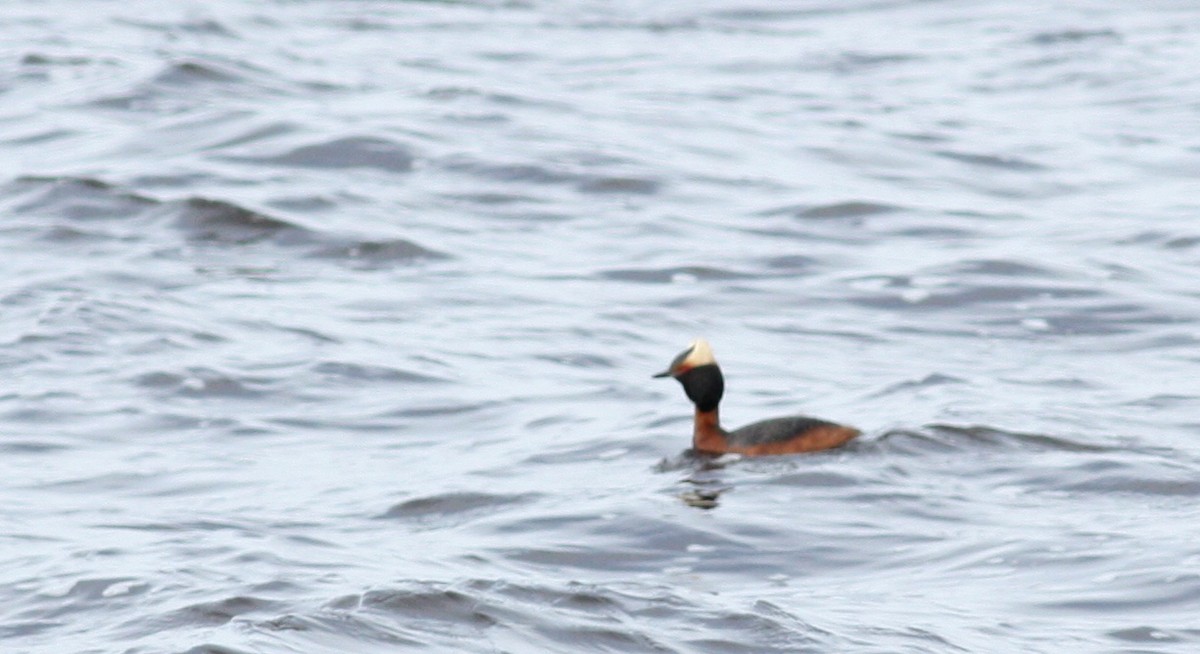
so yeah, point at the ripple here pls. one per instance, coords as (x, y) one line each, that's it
(836, 210)
(510, 172)
(343, 153)
(375, 254)
(992, 161)
(944, 438)
(1074, 36)
(30, 447)
(624, 185)
(214, 649)
(371, 373)
(202, 221)
(218, 221)
(189, 73)
(673, 275)
(204, 382)
(929, 381)
(435, 508)
(40, 59)
(480, 614)
(76, 198)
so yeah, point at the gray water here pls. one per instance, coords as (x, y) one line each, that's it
(329, 326)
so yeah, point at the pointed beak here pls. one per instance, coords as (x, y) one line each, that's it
(665, 373)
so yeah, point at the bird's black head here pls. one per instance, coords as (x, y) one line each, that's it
(697, 371)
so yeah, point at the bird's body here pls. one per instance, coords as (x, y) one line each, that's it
(697, 371)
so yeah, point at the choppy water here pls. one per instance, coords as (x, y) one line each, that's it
(328, 326)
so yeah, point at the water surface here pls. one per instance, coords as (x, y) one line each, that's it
(329, 326)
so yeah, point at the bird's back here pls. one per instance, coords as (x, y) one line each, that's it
(791, 434)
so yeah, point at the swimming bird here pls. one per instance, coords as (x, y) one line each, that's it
(704, 384)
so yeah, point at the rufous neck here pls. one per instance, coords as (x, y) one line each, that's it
(707, 435)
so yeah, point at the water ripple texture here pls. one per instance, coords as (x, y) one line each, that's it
(329, 326)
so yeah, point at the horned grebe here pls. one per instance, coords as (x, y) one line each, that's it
(697, 370)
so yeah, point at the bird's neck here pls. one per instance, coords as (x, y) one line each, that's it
(707, 435)
(705, 385)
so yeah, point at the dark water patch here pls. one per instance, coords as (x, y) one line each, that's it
(17, 628)
(42, 59)
(939, 438)
(673, 275)
(481, 615)
(1106, 487)
(375, 255)
(65, 235)
(816, 479)
(75, 198)
(965, 296)
(423, 602)
(1094, 319)
(586, 557)
(1165, 401)
(1143, 591)
(216, 649)
(358, 424)
(108, 482)
(1166, 240)
(1067, 383)
(371, 373)
(349, 152)
(511, 172)
(1015, 164)
(493, 199)
(183, 85)
(1147, 634)
(1131, 475)
(1182, 242)
(16, 447)
(999, 268)
(341, 621)
(1074, 36)
(619, 185)
(600, 639)
(220, 222)
(652, 25)
(202, 219)
(585, 360)
(454, 506)
(797, 329)
(854, 62)
(309, 203)
(923, 137)
(40, 137)
(218, 612)
(197, 26)
(179, 180)
(792, 262)
(768, 624)
(288, 622)
(833, 211)
(204, 383)
(443, 410)
(191, 73)
(255, 134)
(929, 381)
(198, 526)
